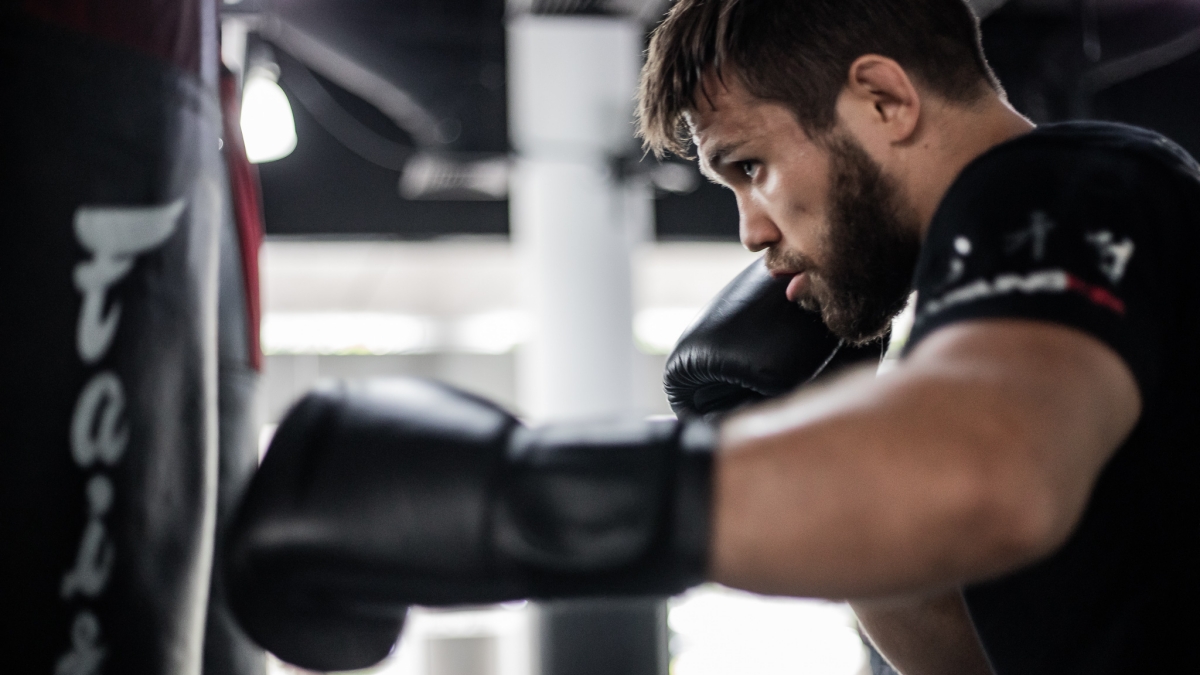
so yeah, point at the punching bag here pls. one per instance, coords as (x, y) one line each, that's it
(114, 192)
(227, 649)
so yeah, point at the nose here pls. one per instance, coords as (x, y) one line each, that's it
(756, 228)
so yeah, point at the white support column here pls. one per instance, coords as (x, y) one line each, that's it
(571, 85)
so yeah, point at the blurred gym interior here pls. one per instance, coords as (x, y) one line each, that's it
(395, 146)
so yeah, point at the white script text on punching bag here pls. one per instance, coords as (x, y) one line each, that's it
(114, 236)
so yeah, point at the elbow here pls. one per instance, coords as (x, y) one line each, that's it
(1018, 515)
(1033, 529)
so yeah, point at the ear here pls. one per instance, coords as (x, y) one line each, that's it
(880, 99)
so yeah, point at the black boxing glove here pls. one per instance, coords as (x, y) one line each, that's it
(377, 496)
(750, 344)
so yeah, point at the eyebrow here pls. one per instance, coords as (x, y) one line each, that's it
(721, 151)
(715, 158)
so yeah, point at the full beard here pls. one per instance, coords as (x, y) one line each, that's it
(874, 241)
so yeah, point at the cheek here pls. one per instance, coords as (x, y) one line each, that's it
(800, 213)
(799, 185)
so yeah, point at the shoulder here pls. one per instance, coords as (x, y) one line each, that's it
(1077, 224)
(1069, 143)
(1071, 166)
(1090, 178)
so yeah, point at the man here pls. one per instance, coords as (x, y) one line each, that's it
(844, 128)
(1034, 448)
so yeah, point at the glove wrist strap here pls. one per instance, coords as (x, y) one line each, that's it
(692, 499)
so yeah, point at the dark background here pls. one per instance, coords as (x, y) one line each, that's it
(449, 54)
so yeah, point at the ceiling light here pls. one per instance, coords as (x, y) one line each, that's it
(268, 128)
(347, 333)
(495, 332)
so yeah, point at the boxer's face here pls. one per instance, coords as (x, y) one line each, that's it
(825, 212)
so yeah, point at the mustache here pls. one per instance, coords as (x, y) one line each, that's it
(781, 260)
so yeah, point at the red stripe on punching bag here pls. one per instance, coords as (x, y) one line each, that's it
(247, 206)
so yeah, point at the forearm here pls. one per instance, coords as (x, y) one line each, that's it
(947, 470)
(930, 635)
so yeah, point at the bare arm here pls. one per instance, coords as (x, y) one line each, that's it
(977, 455)
(930, 635)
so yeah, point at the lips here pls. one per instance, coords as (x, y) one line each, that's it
(797, 287)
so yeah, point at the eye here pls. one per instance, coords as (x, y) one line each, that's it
(748, 168)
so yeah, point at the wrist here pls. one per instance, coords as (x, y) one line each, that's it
(691, 517)
(606, 509)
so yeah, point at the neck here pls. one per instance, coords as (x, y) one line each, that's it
(953, 137)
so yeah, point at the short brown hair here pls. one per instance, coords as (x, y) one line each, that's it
(798, 52)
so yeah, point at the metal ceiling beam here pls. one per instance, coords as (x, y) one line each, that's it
(397, 104)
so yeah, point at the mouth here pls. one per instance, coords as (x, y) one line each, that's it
(797, 286)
